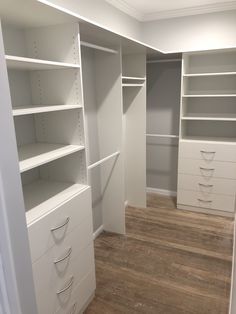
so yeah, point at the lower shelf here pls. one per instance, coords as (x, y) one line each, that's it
(229, 140)
(42, 196)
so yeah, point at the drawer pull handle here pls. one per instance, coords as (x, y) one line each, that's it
(65, 257)
(206, 185)
(73, 308)
(208, 169)
(62, 225)
(204, 201)
(207, 152)
(67, 287)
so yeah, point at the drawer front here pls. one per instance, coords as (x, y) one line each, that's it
(83, 291)
(208, 151)
(52, 228)
(207, 185)
(214, 169)
(213, 201)
(69, 273)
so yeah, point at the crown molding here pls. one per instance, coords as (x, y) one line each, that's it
(126, 8)
(204, 9)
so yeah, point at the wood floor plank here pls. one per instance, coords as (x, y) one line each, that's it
(169, 262)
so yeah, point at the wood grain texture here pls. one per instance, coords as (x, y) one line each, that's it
(169, 262)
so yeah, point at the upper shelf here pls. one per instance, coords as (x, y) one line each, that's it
(209, 95)
(209, 74)
(132, 85)
(37, 154)
(133, 78)
(20, 111)
(30, 64)
(210, 117)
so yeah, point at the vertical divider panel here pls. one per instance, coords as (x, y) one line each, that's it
(134, 120)
(109, 115)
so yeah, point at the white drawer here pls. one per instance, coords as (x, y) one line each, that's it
(208, 151)
(49, 279)
(213, 201)
(68, 215)
(80, 296)
(207, 185)
(216, 169)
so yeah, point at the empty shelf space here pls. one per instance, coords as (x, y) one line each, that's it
(209, 74)
(20, 111)
(22, 63)
(42, 196)
(34, 155)
(210, 117)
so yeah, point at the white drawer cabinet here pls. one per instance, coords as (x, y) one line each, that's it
(52, 228)
(207, 151)
(215, 169)
(82, 291)
(207, 185)
(202, 200)
(62, 276)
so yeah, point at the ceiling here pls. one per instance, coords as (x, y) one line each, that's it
(148, 10)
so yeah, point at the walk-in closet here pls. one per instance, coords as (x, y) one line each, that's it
(118, 157)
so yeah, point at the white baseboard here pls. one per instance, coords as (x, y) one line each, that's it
(98, 232)
(161, 192)
(233, 284)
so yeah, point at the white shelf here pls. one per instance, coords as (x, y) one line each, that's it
(133, 78)
(210, 117)
(34, 155)
(98, 47)
(209, 95)
(209, 74)
(162, 135)
(20, 111)
(132, 85)
(22, 63)
(229, 140)
(43, 196)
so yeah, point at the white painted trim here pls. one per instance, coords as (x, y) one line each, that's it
(167, 14)
(3, 291)
(233, 269)
(205, 211)
(98, 232)
(126, 8)
(161, 192)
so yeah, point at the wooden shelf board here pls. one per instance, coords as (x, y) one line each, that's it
(37, 154)
(20, 111)
(42, 196)
(210, 117)
(133, 78)
(209, 74)
(132, 85)
(98, 47)
(22, 63)
(229, 140)
(208, 95)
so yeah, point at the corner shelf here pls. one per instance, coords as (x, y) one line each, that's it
(34, 155)
(20, 111)
(30, 64)
(42, 196)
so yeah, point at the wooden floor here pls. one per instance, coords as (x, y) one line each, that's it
(169, 262)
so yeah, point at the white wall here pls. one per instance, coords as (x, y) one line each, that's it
(101, 12)
(206, 31)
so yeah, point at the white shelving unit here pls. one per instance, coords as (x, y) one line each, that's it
(21, 111)
(207, 131)
(134, 126)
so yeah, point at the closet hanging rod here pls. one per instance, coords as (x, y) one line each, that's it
(101, 161)
(163, 135)
(105, 49)
(164, 60)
